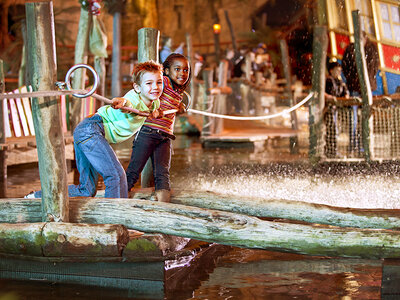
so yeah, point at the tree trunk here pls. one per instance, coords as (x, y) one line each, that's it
(46, 111)
(63, 239)
(3, 155)
(316, 107)
(207, 101)
(233, 229)
(81, 57)
(294, 145)
(365, 86)
(116, 56)
(148, 40)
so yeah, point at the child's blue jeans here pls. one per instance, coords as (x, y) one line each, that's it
(156, 145)
(94, 156)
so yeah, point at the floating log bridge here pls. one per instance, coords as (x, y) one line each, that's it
(224, 227)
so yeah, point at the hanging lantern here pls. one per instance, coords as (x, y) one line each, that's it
(217, 28)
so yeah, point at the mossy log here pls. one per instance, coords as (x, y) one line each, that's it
(63, 239)
(28, 210)
(235, 229)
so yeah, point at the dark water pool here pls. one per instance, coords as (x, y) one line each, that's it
(231, 273)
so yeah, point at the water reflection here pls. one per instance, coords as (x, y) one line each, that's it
(234, 273)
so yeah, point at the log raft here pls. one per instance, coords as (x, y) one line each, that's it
(226, 227)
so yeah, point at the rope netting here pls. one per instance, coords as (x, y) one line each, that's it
(342, 138)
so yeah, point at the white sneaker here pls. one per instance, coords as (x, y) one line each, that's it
(31, 195)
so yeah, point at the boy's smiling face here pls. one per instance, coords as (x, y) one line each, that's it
(178, 72)
(150, 87)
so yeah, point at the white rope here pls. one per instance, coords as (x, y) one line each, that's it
(302, 102)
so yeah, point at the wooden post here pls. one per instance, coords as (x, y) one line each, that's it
(228, 21)
(148, 41)
(191, 61)
(81, 57)
(294, 146)
(22, 69)
(116, 56)
(208, 83)
(46, 111)
(219, 105)
(245, 86)
(3, 154)
(316, 107)
(366, 93)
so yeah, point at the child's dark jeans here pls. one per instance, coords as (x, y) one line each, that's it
(156, 145)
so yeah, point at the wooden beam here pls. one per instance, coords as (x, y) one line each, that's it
(228, 228)
(148, 41)
(316, 107)
(63, 239)
(148, 44)
(294, 143)
(3, 155)
(81, 57)
(365, 86)
(42, 68)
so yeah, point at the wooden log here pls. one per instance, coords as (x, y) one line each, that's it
(228, 21)
(67, 239)
(148, 41)
(238, 230)
(190, 54)
(81, 57)
(46, 111)
(116, 55)
(3, 162)
(365, 86)
(29, 210)
(316, 107)
(294, 145)
(208, 84)
(63, 239)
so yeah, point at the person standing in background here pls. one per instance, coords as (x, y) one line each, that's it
(166, 48)
(350, 73)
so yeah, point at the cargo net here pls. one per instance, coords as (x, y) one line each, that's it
(342, 136)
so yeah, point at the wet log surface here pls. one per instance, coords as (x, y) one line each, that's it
(63, 239)
(237, 229)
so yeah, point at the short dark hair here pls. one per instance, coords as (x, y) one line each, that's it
(147, 66)
(333, 65)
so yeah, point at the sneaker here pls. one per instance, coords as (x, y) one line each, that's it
(31, 195)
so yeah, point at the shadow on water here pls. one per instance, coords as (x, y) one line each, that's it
(221, 272)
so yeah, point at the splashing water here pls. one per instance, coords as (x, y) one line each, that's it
(342, 185)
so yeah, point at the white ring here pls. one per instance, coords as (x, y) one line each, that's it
(95, 84)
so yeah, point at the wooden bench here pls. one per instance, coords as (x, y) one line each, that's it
(20, 133)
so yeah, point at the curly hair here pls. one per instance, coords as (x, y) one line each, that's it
(168, 63)
(147, 66)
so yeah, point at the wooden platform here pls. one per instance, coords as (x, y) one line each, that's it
(245, 134)
(22, 150)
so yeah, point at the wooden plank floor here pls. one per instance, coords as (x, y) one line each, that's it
(245, 133)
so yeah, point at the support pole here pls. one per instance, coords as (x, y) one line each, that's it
(3, 154)
(81, 57)
(294, 145)
(116, 56)
(365, 86)
(316, 107)
(228, 21)
(42, 68)
(208, 83)
(190, 55)
(148, 41)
